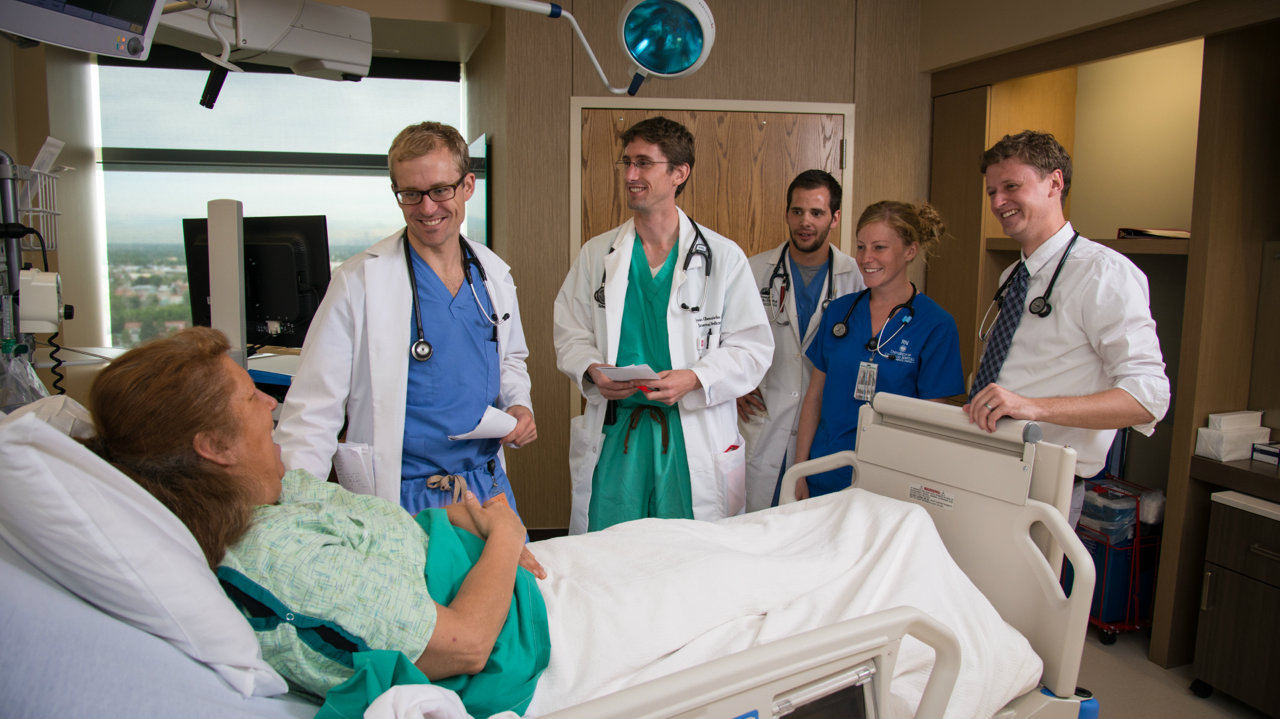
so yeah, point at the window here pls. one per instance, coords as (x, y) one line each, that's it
(281, 144)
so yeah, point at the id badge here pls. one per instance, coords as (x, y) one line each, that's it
(866, 386)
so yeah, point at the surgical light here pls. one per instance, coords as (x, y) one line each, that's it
(663, 38)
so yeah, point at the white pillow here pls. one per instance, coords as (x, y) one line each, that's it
(106, 539)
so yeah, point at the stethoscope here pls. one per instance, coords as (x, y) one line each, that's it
(876, 343)
(1038, 306)
(421, 349)
(699, 248)
(777, 310)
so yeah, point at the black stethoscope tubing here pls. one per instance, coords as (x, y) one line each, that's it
(781, 269)
(700, 247)
(1038, 306)
(421, 349)
(841, 328)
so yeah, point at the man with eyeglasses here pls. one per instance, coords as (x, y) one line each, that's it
(417, 340)
(797, 280)
(662, 291)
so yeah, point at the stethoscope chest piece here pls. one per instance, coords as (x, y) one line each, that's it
(421, 350)
(840, 329)
(1040, 307)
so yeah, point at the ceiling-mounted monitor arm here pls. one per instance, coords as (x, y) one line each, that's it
(553, 10)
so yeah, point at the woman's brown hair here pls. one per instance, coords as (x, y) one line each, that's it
(148, 405)
(915, 224)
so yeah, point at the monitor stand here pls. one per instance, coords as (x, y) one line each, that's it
(226, 274)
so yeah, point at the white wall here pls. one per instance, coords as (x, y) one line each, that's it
(1135, 140)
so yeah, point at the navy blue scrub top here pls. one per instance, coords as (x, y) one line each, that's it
(926, 364)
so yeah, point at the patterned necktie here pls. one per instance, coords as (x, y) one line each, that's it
(1001, 337)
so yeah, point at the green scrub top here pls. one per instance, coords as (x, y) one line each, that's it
(643, 469)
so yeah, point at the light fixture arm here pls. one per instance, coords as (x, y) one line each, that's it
(553, 10)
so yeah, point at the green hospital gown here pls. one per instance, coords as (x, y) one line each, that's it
(643, 471)
(333, 575)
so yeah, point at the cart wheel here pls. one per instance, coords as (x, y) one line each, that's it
(1108, 636)
(1201, 689)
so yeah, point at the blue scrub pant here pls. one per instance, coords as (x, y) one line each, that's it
(484, 481)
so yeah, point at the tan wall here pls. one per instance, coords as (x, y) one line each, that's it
(957, 32)
(1118, 152)
(519, 85)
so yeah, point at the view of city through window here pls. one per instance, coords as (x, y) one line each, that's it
(157, 109)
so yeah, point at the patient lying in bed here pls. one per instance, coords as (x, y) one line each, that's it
(325, 575)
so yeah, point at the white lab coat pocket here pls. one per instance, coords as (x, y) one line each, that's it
(731, 465)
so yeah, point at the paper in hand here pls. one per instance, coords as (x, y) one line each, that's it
(633, 372)
(495, 424)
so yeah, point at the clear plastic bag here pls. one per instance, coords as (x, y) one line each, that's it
(19, 384)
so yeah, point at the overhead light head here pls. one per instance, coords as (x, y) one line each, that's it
(667, 38)
(663, 38)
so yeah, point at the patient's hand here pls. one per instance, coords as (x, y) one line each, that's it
(494, 516)
(531, 563)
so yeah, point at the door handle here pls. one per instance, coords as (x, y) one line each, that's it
(1204, 591)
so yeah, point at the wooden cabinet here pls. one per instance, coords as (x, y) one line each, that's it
(1238, 635)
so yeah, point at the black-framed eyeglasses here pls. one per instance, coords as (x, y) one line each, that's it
(441, 193)
(640, 163)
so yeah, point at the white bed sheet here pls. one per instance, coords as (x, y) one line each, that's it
(646, 599)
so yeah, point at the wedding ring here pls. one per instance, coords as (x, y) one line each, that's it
(987, 405)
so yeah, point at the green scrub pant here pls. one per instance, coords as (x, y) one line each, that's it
(643, 470)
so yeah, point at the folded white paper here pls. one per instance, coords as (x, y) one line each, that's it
(495, 424)
(353, 463)
(632, 372)
(1229, 445)
(1235, 420)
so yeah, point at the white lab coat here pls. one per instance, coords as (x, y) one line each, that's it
(355, 363)
(727, 343)
(771, 438)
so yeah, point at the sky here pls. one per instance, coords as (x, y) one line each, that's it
(157, 108)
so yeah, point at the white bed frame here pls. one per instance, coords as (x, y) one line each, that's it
(999, 501)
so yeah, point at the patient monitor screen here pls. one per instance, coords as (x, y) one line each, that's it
(286, 273)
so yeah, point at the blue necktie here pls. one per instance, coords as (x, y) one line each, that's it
(1001, 337)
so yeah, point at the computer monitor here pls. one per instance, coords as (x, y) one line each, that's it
(121, 28)
(286, 273)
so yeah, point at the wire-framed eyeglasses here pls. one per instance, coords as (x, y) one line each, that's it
(640, 163)
(441, 193)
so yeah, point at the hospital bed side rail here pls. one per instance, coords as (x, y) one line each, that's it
(776, 678)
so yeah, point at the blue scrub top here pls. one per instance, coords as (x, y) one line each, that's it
(448, 393)
(926, 364)
(807, 296)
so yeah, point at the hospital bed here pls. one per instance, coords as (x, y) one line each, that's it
(997, 500)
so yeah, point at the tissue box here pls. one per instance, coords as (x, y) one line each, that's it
(1269, 452)
(1229, 445)
(1235, 420)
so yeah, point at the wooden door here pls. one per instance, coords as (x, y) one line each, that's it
(743, 164)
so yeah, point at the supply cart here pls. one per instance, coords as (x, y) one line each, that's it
(1126, 552)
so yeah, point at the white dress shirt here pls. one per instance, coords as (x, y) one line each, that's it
(1099, 335)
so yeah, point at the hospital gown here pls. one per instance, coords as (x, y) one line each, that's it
(354, 565)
